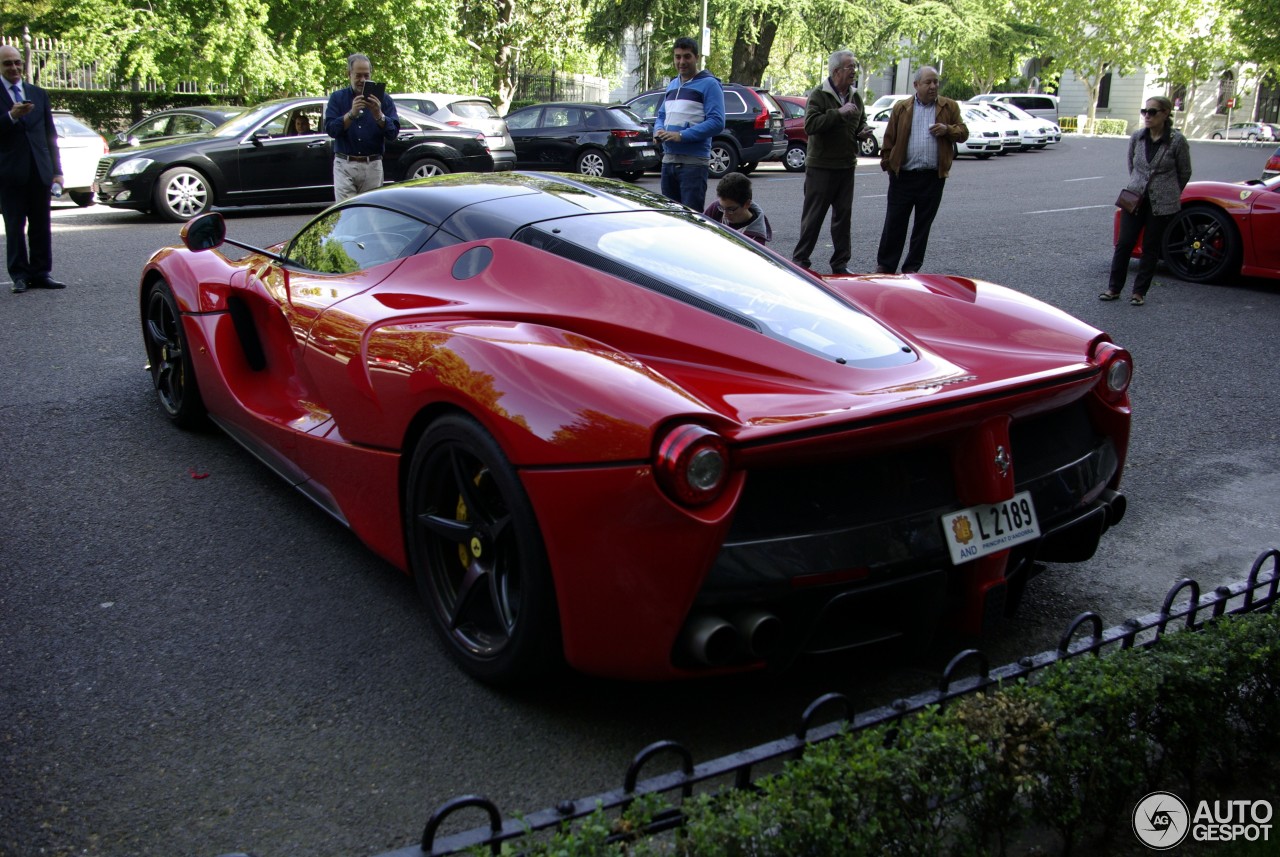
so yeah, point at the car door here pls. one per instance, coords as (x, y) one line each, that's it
(524, 126)
(557, 139)
(286, 158)
(1264, 224)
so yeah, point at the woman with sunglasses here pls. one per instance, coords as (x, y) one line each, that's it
(1159, 168)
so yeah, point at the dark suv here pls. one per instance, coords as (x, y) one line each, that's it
(752, 128)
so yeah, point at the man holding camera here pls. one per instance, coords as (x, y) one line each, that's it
(29, 168)
(360, 121)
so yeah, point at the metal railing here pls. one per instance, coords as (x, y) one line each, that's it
(967, 673)
(51, 64)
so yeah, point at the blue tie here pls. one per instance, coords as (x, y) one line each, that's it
(17, 95)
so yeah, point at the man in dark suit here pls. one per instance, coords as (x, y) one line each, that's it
(29, 167)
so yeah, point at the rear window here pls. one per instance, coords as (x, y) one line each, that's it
(770, 102)
(621, 117)
(733, 102)
(738, 281)
(70, 126)
(474, 109)
(792, 110)
(1031, 102)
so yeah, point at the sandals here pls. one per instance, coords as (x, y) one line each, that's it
(1137, 300)
(1108, 296)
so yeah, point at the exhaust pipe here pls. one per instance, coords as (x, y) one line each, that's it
(1116, 504)
(761, 633)
(711, 640)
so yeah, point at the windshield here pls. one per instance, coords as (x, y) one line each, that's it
(238, 125)
(690, 259)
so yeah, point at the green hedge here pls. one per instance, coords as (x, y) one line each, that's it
(1064, 759)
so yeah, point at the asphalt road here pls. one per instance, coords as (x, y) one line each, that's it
(195, 666)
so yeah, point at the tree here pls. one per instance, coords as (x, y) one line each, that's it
(505, 34)
(1095, 37)
(1256, 27)
(1203, 51)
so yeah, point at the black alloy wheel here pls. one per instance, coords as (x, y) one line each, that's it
(169, 359)
(868, 148)
(1201, 244)
(477, 556)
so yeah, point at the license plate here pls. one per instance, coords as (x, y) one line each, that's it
(981, 530)
(649, 153)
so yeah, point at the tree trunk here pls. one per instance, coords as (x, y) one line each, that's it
(750, 59)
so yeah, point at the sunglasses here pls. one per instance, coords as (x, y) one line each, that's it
(1152, 112)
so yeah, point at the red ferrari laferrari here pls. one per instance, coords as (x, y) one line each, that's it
(598, 428)
(1224, 230)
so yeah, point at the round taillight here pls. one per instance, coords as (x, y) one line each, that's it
(692, 464)
(1117, 371)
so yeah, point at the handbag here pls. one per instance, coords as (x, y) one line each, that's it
(1129, 200)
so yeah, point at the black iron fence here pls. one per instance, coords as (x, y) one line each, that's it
(50, 64)
(967, 673)
(536, 86)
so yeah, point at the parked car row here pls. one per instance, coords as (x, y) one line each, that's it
(996, 127)
(1259, 131)
(178, 163)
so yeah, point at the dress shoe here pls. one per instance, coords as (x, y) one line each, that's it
(835, 272)
(19, 286)
(46, 283)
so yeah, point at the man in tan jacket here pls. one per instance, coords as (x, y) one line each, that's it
(919, 144)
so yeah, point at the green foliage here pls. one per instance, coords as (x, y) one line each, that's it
(1072, 752)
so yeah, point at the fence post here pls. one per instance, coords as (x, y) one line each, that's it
(26, 54)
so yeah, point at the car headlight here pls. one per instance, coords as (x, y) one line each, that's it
(130, 167)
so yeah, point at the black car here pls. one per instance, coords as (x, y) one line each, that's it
(584, 137)
(273, 154)
(753, 129)
(173, 123)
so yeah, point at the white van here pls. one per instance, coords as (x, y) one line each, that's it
(1043, 106)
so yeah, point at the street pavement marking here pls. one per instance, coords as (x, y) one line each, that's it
(1077, 208)
(1083, 179)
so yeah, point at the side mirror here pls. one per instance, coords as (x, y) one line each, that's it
(205, 232)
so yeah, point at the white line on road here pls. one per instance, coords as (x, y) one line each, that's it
(1077, 208)
(1083, 179)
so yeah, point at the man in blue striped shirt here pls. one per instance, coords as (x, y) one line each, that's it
(690, 115)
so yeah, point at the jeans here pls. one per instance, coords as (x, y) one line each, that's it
(1152, 238)
(686, 183)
